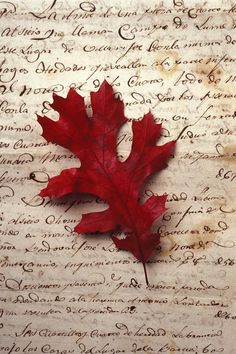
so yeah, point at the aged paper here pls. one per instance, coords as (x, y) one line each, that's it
(62, 293)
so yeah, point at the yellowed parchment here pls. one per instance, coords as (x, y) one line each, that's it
(61, 293)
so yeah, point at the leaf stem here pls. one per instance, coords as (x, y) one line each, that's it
(145, 273)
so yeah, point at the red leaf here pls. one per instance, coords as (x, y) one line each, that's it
(93, 141)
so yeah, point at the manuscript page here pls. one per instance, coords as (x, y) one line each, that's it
(63, 293)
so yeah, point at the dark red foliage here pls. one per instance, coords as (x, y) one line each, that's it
(93, 141)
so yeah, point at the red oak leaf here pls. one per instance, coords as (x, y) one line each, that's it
(93, 141)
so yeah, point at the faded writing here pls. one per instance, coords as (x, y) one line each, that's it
(61, 293)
